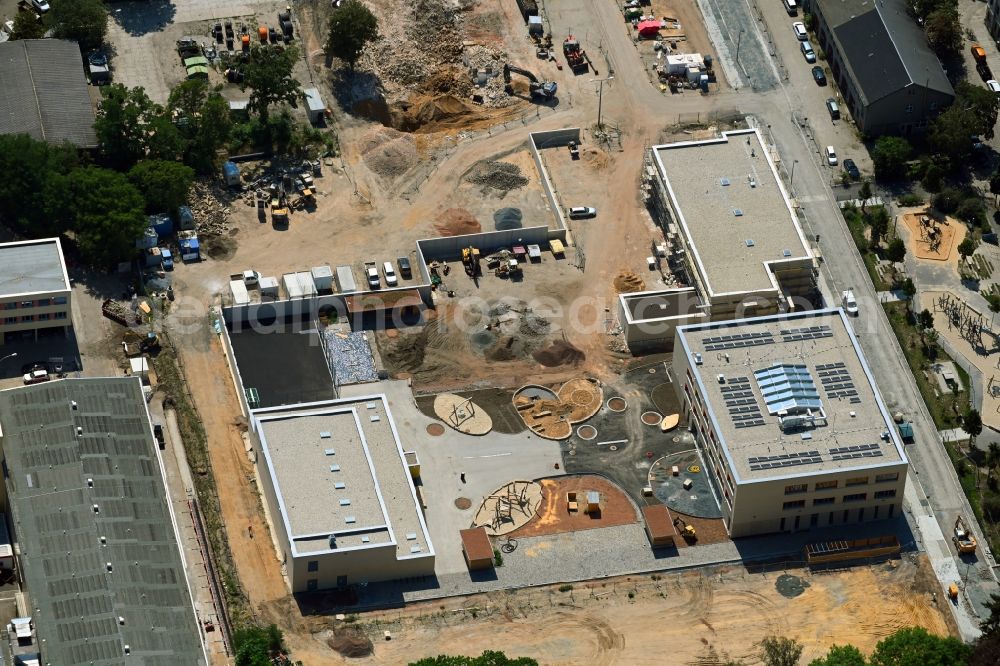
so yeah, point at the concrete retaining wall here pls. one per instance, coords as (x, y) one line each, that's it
(227, 345)
(303, 309)
(552, 139)
(449, 248)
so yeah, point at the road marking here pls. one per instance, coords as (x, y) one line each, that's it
(494, 455)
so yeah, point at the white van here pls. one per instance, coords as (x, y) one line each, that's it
(791, 7)
(390, 274)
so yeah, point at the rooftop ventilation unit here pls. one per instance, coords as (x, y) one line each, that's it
(333, 541)
(108, 567)
(724, 182)
(90, 483)
(97, 508)
(324, 435)
(722, 379)
(79, 431)
(786, 253)
(329, 452)
(72, 403)
(738, 212)
(749, 242)
(697, 359)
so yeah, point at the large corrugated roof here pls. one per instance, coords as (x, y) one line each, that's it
(60, 518)
(45, 92)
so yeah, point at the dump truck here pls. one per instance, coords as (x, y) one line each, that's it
(965, 542)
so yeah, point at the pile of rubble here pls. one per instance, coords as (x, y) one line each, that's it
(501, 176)
(210, 214)
(485, 65)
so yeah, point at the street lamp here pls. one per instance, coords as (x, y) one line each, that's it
(791, 179)
(7, 357)
(600, 97)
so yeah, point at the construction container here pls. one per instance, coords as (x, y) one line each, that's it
(292, 288)
(239, 291)
(239, 108)
(322, 277)
(162, 224)
(679, 63)
(231, 174)
(269, 287)
(148, 239)
(535, 26)
(6, 550)
(315, 107)
(185, 218)
(190, 249)
(345, 279)
(299, 285)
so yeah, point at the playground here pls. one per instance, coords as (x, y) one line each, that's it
(931, 236)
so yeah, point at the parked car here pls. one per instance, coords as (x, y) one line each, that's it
(833, 108)
(799, 28)
(158, 433)
(37, 376)
(371, 272)
(390, 274)
(850, 303)
(581, 212)
(994, 86)
(791, 7)
(807, 51)
(852, 169)
(41, 6)
(404, 267)
(831, 156)
(819, 75)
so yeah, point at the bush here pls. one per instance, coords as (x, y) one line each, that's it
(932, 178)
(910, 199)
(497, 558)
(973, 211)
(947, 200)
(565, 588)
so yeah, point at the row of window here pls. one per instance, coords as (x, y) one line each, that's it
(832, 485)
(40, 303)
(24, 319)
(854, 497)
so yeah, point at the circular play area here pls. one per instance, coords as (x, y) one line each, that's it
(652, 418)
(509, 507)
(617, 404)
(586, 432)
(552, 414)
(680, 482)
(462, 414)
(435, 429)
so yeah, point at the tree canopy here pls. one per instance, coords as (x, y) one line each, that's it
(86, 21)
(26, 26)
(123, 124)
(889, 157)
(841, 655)
(780, 651)
(255, 646)
(351, 27)
(968, 246)
(487, 658)
(268, 75)
(914, 646)
(33, 187)
(107, 214)
(944, 31)
(163, 184)
(973, 422)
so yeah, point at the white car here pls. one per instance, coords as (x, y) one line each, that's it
(371, 272)
(36, 376)
(850, 304)
(580, 212)
(390, 274)
(831, 156)
(41, 6)
(799, 28)
(994, 86)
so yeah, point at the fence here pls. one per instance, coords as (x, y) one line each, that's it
(552, 139)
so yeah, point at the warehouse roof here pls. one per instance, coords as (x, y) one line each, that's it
(884, 48)
(45, 92)
(732, 209)
(790, 394)
(344, 456)
(31, 267)
(98, 547)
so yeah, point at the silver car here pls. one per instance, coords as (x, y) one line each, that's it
(581, 212)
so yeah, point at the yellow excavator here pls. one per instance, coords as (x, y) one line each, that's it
(687, 531)
(965, 542)
(470, 259)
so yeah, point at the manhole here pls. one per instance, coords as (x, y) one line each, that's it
(586, 432)
(652, 371)
(652, 418)
(463, 503)
(617, 404)
(613, 447)
(675, 439)
(435, 429)
(790, 586)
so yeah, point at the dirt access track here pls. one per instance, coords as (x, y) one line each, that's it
(695, 617)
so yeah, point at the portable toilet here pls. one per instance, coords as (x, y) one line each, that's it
(315, 107)
(231, 174)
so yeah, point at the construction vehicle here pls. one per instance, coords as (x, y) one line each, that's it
(539, 89)
(576, 57)
(574, 150)
(953, 593)
(470, 260)
(279, 208)
(507, 268)
(687, 531)
(965, 542)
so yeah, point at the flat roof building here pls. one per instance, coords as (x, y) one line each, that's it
(730, 228)
(96, 542)
(340, 494)
(789, 420)
(34, 289)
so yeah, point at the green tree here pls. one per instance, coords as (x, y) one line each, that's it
(986, 651)
(913, 646)
(896, 250)
(991, 625)
(164, 185)
(33, 187)
(255, 646)
(925, 319)
(780, 651)
(944, 31)
(878, 221)
(865, 193)
(947, 200)
(351, 28)
(968, 246)
(973, 211)
(972, 423)
(26, 26)
(992, 458)
(982, 104)
(950, 134)
(122, 124)
(107, 214)
(487, 658)
(205, 124)
(889, 157)
(268, 75)
(841, 655)
(995, 185)
(86, 21)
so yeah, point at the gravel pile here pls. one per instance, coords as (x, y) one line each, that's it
(484, 58)
(508, 218)
(500, 176)
(388, 153)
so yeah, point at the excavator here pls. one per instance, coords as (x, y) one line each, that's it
(539, 89)
(965, 542)
(687, 531)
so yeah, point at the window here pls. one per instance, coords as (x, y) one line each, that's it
(42, 302)
(312, 566)
(857, 481)
(60, 315)
(28, 318)
(885, 494)
(43, 316)
(27, 304)
(856, 497)
(59, 300)
(826, 485)
(797, 504)
(10, 306)
(820, 501)
(909, 108)
(882, 478)
(796, 488)
(933, 106)
(10, 320)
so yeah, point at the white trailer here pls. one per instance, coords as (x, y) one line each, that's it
(345, 279)
(314, 105)
(239, 291)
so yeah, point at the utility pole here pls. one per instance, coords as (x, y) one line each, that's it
(600, 97)
(791, 179)
(739, 41)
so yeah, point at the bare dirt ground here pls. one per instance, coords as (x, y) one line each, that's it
(697, 617)
(553, 515)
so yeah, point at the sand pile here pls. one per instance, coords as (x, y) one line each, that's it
(351, 643)
(457, 222)
(627, 282)
(388, 153)
(560, 352)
